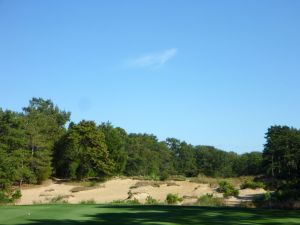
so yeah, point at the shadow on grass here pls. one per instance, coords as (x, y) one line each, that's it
(133, 215)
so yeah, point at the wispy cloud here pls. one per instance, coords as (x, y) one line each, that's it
(153, 59)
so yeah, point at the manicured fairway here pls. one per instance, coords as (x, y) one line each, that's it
(131, 215)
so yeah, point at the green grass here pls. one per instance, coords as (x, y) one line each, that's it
(133, 215)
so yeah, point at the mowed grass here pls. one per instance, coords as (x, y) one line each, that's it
(107, 214)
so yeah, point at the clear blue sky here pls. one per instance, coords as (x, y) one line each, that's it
(207, 72)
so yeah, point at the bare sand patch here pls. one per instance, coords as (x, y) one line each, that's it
(125, 188)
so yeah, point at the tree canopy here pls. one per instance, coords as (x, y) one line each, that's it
(36, 144)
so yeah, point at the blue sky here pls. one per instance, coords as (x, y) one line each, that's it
(207, 72)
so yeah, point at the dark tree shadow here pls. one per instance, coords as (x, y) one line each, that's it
(133, 215)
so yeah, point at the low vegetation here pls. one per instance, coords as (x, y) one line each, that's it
(60, 199)
(227, 189)
(142, 215)
(210, 200)
(252, 185)
(9, 196)
(36, 144)
(151, 201)
(90, 201)
(126, 202)
(172, 199)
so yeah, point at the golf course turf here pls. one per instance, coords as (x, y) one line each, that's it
(111, 214)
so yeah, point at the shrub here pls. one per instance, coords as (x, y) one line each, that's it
(60, 199)
(151, 201)
(173, 198)
(8, 196)
(210, 200)
(227, 189)
(177, 178)
(90, 201)
(146, 183)
(164, 176)
(126, 202)
(252, 185)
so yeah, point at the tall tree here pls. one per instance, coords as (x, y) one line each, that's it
(282, 153)
(115, 139)
(82, 153)
(214, 162)
(184, 157)
(143, 155)
(44, 125)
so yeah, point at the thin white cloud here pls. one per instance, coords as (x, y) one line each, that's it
(153, 59)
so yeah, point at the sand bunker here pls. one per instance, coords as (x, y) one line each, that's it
(122, 189)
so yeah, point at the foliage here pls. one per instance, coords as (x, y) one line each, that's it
(82, 153)
(36, 144)
(281, 160)
(147, 156)
(151, 201)
(227, 189)
(173, 198)
(44, 125)
(249, 164)
(60, 199)
(90, 201)
(210, 200)
(183, 157)
(126, 202)
(9, 196)
(115, 139)
(252, 184)
(214, 162)
(282, 154)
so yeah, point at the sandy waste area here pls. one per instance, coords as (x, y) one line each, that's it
(125, 188)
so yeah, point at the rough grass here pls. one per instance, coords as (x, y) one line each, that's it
(213, 182)
(142, 215)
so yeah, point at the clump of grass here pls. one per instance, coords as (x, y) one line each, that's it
(164, 176)
(86, 187)
(172, 184)
(177, 178)
(37, 202)
(227, 189)
(77, 189)
(210, 200)
(202, 179)
(126, 202)
(59, 199)
(90, 201)
(247, 204)
(151, 201)
(8, 197)
(146, 183)
(252, 184)
(173, 199)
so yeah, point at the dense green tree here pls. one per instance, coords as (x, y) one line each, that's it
(82, 153)
(36, 143)
(281, 163)
(282, 153)
(44, 125)
(184, 157)
(143, 155)
(115, 139)
(249, 164)
(214, 162)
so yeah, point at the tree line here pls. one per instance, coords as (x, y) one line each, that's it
(41, 142)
